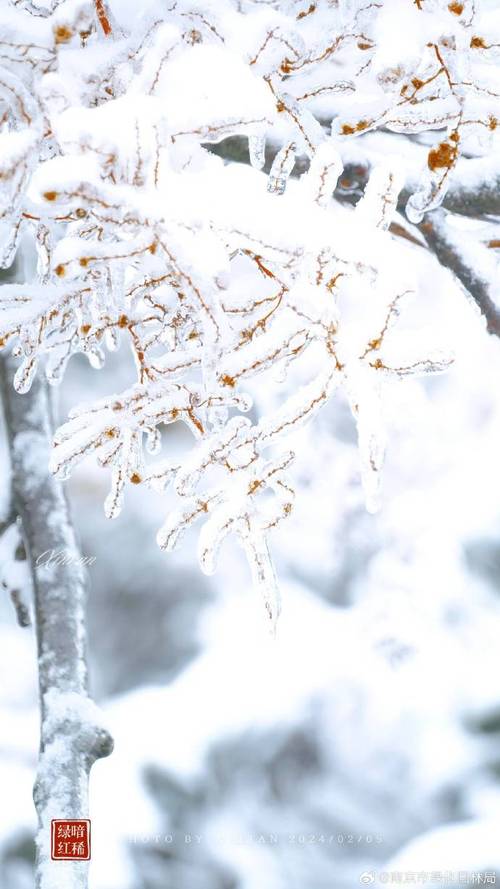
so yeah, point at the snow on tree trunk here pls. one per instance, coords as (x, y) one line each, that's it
(72, 736)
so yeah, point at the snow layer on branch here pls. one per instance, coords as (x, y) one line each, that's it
(214, 276)
(227, 99)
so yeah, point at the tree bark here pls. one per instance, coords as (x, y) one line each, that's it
(72, 736)
(438, 240)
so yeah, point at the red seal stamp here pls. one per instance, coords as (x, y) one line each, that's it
(70, 840)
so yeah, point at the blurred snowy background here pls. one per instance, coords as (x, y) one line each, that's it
(362, 745)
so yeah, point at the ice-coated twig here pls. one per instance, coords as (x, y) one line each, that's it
(217, 278)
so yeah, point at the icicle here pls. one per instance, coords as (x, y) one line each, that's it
(179, 521)
(153, 441)
(9, 239)
(25, 374)
(112, 339)
(172, 530)
(379, 202)
(263, 574)
(212, 536)
(62, 473)
(114, 501)
(321, 178)
(366, 405)
(428, 197)
(282, 166)
(257, 151)
(55, 368)
(95, 357)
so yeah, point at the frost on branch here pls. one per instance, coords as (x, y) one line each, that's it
(217, 279)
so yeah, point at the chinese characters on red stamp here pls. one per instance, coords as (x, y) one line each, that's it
(70, 840)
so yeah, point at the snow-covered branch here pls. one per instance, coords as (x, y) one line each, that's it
(72, 735)
(477, 277)
(219, 276)
(473, 195)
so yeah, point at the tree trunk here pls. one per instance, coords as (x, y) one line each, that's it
(72, 736)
